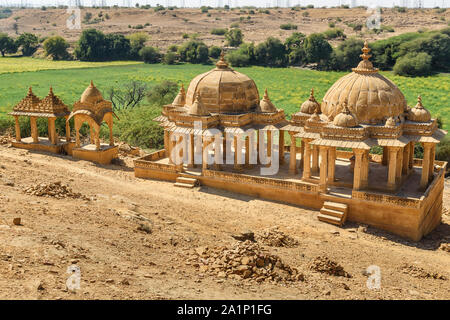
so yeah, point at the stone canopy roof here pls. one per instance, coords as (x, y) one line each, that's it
(49, 107)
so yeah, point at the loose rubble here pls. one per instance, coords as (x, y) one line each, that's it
(5, 139)
(245, 260)
(325, 265)
(56, 190)
(419, 272)
(126, 150)
(275, 238)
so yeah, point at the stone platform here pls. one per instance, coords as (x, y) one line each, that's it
(43, 145)
(103, 156)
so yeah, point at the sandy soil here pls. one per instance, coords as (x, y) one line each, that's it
(121, 259)
(167, 27)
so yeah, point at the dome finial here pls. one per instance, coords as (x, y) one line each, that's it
(266, 95)
(365, 66)
(51, 90)
(419, 104)
(92, 83)
(221, 63)
(30, 91)
(366, 50)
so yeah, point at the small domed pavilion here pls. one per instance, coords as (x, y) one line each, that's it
(51, 107)
(94, 110)
(330, 165)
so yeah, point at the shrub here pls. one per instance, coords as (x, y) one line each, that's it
(193, 51)
(334, 33)
(443, 150)
(162, 93)
(295, 40)
(137, 42)
(331, 24)
(238, 59)
(149, 54)
(170, 58)
(56, 47)
(346, 55)
(317, 48)
(172, 48)
(234, 25)
(234, 37)
(413, 64)
(219, 31)
(305, 14)
(288, 26)
(214, 52)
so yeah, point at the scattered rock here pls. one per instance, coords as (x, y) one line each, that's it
(144, 227)
(244, 236)
(419, 272)
(17, 221)
(325, 265)
(244, 260)
(275, 238)
(445, 247)
(55, 190)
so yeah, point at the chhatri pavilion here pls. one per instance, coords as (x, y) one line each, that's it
(220, 134)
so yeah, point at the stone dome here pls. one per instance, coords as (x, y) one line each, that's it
(345, 118)
(224, 90)
(419, 113)
(265, 105)
(91, 95)
(310, 105)
(371, 97)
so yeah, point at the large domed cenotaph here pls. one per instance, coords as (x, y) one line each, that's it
(221, 133)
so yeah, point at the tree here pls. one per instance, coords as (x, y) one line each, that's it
(170, 58)
(137, 42)
(56, 47)
(128, 95)
(317, 49)
(28, 42)
(234, 37)
(294, 41)
(346, 55)
(194, 51)
(117, 46)
(149, 54)
(214, 52)
(271, 52)
(91, 46)
(244, 56)
(7, 44)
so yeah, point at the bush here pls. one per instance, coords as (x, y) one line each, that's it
(170, 58)
(238, 59)
(137, 42)
(214, 52)
(219, 31)
(91, 46)
(149, 55)
(194, 51)
(288, 26)
(294, 41)
(443, 150)
(172, 48)
(56, 47)
(163, 93)
(271, 52)
(234, 37)
(346, 55)
(413, 64)
(334, 33)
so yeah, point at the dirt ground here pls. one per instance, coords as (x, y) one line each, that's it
(167, 27)
(143, 239)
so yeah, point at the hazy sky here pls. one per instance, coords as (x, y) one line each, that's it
(234, 3)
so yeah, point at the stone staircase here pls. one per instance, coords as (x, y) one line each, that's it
(186, 182)
(333, 212)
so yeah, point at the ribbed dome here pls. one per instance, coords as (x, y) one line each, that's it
(310, 105)
(371, 97)
(345, 118)
(224, 90)
(91, 95)
(419, 113)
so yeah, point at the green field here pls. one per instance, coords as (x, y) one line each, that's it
(288, 87)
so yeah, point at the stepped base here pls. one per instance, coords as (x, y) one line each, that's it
(103, 156)
(333, 212)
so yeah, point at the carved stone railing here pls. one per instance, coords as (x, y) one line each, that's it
(384, 198)
(242, 178)
(148, 162)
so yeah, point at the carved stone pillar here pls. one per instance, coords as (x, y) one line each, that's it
(365, 169)
(18, 137)
(293, 156)
(52, 137)
(315, 159)
(191, 151)
(269, 146)
(431, 168)
(34, 130)
(331, 164)
(307, 161)
(281, 147)
(302, 153)
(411, 154)
(384, 160)
(323, 168)
(247, 151)
(391, 185)
(425, 165)
(206, 142)
(68, 138)
(405, 166)
(357, 172)
(398, 170)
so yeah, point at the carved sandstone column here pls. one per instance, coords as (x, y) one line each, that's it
(315, 159)
(411, 154)
(166, 143)
(331, 164)
(53, 139)
(68, 138)
(18, 137)
(431, 168)
(405, 166)
(398, 170)
(191, 151)
(293, 156)
(307, 161)
(281, 147)
(425, 165)
(365, 169)
(392, 168)
(357, 172)
(34, 130)
(384, 160)
(269, 146)
(247, 151)
(323, 168)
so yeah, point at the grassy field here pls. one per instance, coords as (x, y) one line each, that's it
(288, 88)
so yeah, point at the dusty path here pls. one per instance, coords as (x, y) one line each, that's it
(137, 239)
